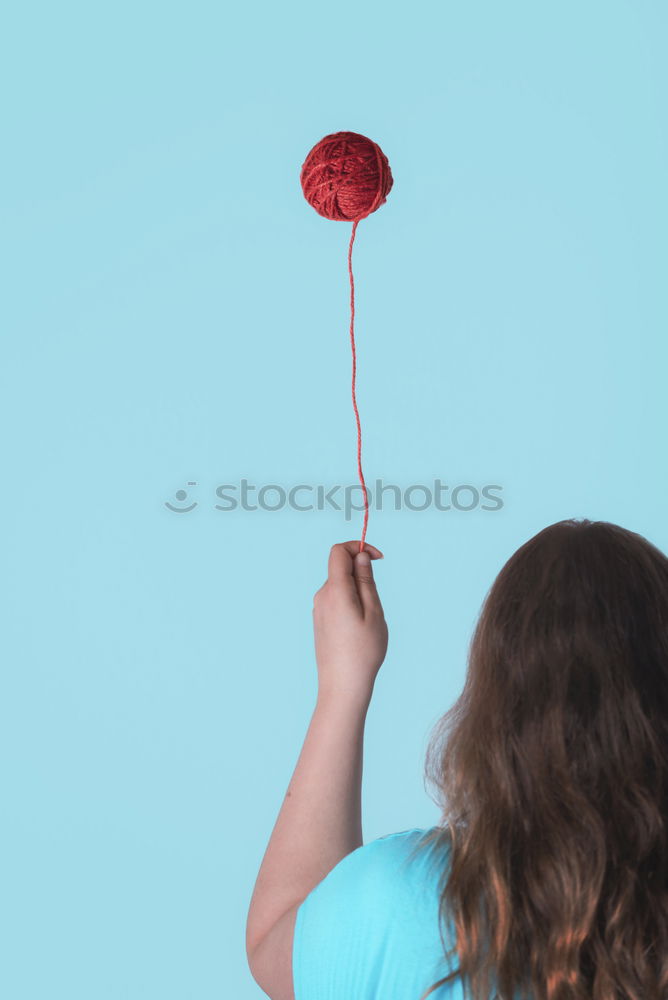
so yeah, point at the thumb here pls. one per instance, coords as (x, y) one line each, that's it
(366, 585)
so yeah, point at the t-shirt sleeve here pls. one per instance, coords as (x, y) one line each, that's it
(370, 927)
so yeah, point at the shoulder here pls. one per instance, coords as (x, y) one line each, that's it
(393, 864)
(377, 906)
(393, 861)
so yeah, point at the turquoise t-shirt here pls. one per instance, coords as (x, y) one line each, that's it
(370, 929)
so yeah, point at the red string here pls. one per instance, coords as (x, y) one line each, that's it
(357, 416)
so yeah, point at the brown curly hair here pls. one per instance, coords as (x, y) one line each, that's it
(551, 771)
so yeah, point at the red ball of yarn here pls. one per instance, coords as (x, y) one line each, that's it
(346, 176)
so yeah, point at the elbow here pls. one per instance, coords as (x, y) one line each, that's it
(253, 939)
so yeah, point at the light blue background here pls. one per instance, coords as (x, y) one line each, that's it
(174, 310)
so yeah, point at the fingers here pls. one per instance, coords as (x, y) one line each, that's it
(341, 559)
(345, 579)
(366, 585)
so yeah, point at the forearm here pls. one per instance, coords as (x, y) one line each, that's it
(320, 820)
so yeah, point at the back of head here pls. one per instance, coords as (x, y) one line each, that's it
(552, 773)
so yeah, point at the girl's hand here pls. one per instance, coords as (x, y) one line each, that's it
(349, 625)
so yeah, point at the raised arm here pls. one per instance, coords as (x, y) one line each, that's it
(320, 822)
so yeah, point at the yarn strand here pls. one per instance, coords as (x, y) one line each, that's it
(354, 374)
(345, 177)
